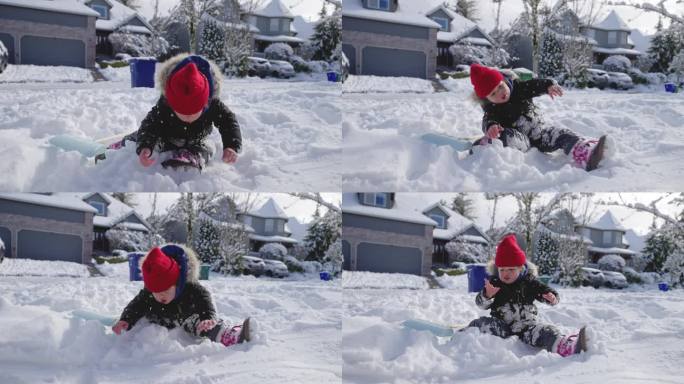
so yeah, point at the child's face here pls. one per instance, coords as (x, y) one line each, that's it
(500, 94)
(509, 274)
(189, 118)
(165, 297)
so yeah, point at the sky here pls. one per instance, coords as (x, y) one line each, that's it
(303, 210)
(306, 8)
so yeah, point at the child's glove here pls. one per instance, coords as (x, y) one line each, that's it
(229, 156)
(490, 290)
(494, 131)
(206, 325)
(146, 157)
(555, 90)
(551, 298)
(120, 326)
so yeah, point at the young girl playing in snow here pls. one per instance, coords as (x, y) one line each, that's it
(185, 114)
(511, 116)
(510, 293)
(173, 297)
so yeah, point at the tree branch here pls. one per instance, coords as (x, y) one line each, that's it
(316, 197)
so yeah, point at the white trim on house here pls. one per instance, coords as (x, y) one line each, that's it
(70, 7)
(273, 239)
(439, 219)
(101, 207)
(619, 251)
(440, 20)
(379, 5)
(279, 39)
(52, 200)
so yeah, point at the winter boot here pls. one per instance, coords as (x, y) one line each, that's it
(229, 336)
(588, 153)
(572, 344)
(245, 332)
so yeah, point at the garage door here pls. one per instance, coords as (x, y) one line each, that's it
(394, 62)
(350, 52)
(346, 253)
(6, 237)
(8, 42)
(388, 258)
(52, 51)
(49, 246)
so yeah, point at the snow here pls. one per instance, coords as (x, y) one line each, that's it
(635, 335)
(612, 22)
(406, 13)
(383, 149)
(119, 15)
(59, 201)
(29, 267)
(373, 280)
(116, 212)
(382, 84)
(607, 222)
(279, 38)
(291, 137)
(63, 6)
(40, 74)
(270, 210)
(476, 41)
(297, 341)
(274, 9)
(617, 51)
(619, 251)
(279, 239)
(399, 212)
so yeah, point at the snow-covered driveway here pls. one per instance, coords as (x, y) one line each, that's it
(636, 337)
(383, 151)
(291, 136)
(298, 340)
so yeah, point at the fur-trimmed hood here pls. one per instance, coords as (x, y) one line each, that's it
(509, 77)
(532, 269)
(187, 260)
(208, 68)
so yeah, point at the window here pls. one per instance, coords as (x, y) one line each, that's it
(444, 23)
(623, 38)
(440, 220)
(101, 208)
(375, 199)
(102, 10)
(379, 4)
(607, 237)
(275, 25)
(380, 199)
(612, 37)
(281, 226)
(269, 225)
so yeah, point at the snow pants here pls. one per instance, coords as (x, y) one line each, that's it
(534, 133)
(221, 333)
(536, 335)
(169, 148)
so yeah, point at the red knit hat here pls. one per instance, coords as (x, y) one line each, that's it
(484, 79)
(509, 254)
(187, 90)
(159, 271)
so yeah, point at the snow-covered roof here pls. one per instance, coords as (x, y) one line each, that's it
(408, 12)
(544, 229)
(73, 7)
(274, 9)
(235, 224)
(273, 239)
(270, 210)
(473, 239)
(119, 16)
(607, 222)
(399, 212)
(279, 38)
(459, 27)
(117, 212)
(612, 22)
(617, 51)
(477, 41)
(53, 200)
(618, 251)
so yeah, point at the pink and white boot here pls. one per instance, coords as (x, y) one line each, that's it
(236, 335)
(572, 344)
(588, 153)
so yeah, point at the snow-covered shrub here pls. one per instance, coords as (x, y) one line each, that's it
(674, 268)
(650, 277)
(138, 45)
(632, 276)
(299, 251)
(643, 63)
(207, 242)
(467, 252)
(611, 263)
(234, 245)
(312, 266)
(637, 76)
(322, 233)
(677, 64)
(299, 64)
(273, 251)
(279, 51)
(551, 56)
(617, 63)
(546, 253)
(469, 54)
(293, 265)
(333, 258)
(211, 43)
(308, 50)
(132, 241)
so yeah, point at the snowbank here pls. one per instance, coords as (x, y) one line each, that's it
(358, 279)
(381, 84)
(42, 74)
(28, 267)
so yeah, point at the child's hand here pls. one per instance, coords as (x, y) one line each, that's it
(229, 156)
(146, 157)
(551, 298)
(120, 326)
(494, 131)
(555, 90)
(206, 325)
(490, 290)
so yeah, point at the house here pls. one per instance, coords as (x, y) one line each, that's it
(46, 32)
(381, 234)
(389, 38)
(46, 226)
(613, 38)
(608, 237)
(115, 17)
(267, 224)
(561, 225)
(275, 24)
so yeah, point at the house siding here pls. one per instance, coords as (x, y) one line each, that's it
(8, 42)
(264, 25)
(97, 198)
(102, 3)
(442, 15)
(472, 232)
(259, 225)
(39, 211)
(133, 219)
(377, 224)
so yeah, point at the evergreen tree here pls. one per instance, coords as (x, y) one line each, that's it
(126, 198)
(212, 40)
(664, 46)
(323, 232)
(551, 56)
(463, 205)
(207, 242)
(546, 253)
(465, 8)
(327, 35)
(659, 246)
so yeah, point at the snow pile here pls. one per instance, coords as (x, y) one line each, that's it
(611, 263)
(118, 270)
(359, 279)
(381, 84)
(634, 335)
(43, 74)
(28, 267)
(120, 74)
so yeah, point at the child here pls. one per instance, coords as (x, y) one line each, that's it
(511, 116)
(187, 110)
(510, 294)
(173, 297)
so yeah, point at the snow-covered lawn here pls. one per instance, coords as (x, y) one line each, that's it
(383, 150)
(41, 74)
(291, 137)
(636, 337)
(28, 267)
(352, 280)
(381, 84)
(298, 340)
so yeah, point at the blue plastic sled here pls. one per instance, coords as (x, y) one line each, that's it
(439, 330)
(107, 321)
(457, 143)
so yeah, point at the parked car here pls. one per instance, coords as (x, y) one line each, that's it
(4, 57)
(615, 280)
(619, 80)
(597, 78)
(257, 66)
(275, 268)
(253, 266)
(592, 277)
(281, 69)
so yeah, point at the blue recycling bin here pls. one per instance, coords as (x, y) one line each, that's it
(325, 275)
(670, 87)
(476, 277)
(663, 286)
(134, 273)
(142, 72)
(333, 76)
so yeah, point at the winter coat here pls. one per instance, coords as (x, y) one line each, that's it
(514, 303)
(161, 125)
(520, 103)
(191, 297)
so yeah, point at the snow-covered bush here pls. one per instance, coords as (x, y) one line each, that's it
(132, 241)
(333, 258)
(674, 268)
(611, 263)
(322, 233)
(469, 54)
(278, 51)
(617, 63)
(234, 245)
(211, 42)
(644, 63)
(273, 251)
(632, 276)
(138, 45)
(312, 266)
(293, 265)
(467, 252)
(207, 242)
(677, 65)
(546, 253)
